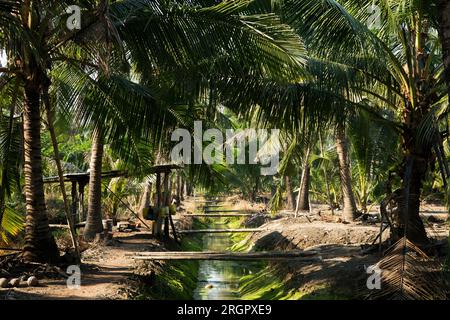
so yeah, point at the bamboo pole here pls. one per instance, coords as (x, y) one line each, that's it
(51, 129)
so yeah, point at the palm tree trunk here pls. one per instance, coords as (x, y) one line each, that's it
(416, 161)
(290, 194)
(303, 192)
(94, 216)
(445, 38)
(411, 224)
(327, 180)
(39, 245)
(349, 211)
(303, 197)
(145, 200)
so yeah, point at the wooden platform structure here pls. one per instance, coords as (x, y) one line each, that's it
(163, 195)
(305, 256)
(221, 230)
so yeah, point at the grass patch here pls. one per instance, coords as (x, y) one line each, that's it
(267, 285)
(175, 280)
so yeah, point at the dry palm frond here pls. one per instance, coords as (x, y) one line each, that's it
(407, 273)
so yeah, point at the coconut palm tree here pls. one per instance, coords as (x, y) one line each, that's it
(397, 66)
(151, 34)
(349, 211)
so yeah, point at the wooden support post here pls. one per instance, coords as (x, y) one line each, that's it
(170, 190)
(178, 189)
(166, 203)
(158, 202)
(177, 186)
(158, 190)
(188, 189)
(74, 201)
(81, 212)
(182, 189)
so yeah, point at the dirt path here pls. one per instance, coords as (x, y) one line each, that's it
(104, 272)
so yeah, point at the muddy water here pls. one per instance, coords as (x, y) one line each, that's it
(220, 279)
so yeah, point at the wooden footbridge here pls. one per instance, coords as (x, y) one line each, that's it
(218, 211)
(297, 255)
(217, 215)
(221, 230)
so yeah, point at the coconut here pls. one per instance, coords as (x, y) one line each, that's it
(32, 281)
(3, 283)
(14, 282)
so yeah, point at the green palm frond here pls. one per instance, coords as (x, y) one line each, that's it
(276, 201)
(184, 35)
(10, 158)
(11, 224)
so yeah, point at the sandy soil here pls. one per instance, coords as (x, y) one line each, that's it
(104, 271)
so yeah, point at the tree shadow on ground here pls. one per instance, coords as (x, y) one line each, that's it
(341, 274)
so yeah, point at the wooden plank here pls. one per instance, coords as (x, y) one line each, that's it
(306, 256)
(217, 211)
(65, 226)
(296, 252)
(207, 201)
(79, 176)
(212, 215)
(10, 249)
(221, 230)
(433, 213)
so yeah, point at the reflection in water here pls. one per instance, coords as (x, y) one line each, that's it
(219, 280)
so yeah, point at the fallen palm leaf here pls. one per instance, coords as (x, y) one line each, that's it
(407, 273)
